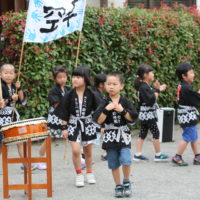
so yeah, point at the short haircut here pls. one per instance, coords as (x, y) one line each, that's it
(118, 75)
(98, 79)
(6, 64)
(83, 72)
(59, 69)
(182, 69)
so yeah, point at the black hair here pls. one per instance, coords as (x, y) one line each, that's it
(83, 72)
(118, 75)
(59, 69)
(98, 79)
(142, 70)
(182, 69)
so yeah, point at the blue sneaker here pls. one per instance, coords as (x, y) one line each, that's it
(140, 158)
(119, 191)
(162, 157)
(127, 188)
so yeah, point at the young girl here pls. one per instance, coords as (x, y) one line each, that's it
(188, 101)
(115, 112)
(75, 111)
(12, 93)
(147, 100)
(99, 88)
(55, 96)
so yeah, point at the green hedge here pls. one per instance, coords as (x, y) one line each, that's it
(113, 40)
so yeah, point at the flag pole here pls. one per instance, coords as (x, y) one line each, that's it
(78, 50)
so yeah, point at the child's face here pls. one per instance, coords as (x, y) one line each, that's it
(113, 85)
(61, 78)
(78, 81)
(189, 76)
(8, 74)
(149, 77)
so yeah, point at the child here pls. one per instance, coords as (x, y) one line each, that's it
(115, 112)
(12, 93)
(188, 100)
(99, 88)
(55, 95)
(75, 111)
(147, 115)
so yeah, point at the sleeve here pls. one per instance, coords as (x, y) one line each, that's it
(63, 109)
(131, 110)
(54, 96)
(147, 96)
(25, 100)
(99, 110)
(96, 100)
(194, 97)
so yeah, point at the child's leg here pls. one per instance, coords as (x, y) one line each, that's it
(20, 149)
(142, 136)
(156, 144)
(42, 150)
(76, 152)
(126, 171)
(0, 150)
(88, 156)
(195, 147)
(181, 148)
(116, 176)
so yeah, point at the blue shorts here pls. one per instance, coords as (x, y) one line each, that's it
(118, 157)
(190, 134)
(1, 138)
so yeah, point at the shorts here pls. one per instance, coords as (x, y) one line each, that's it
(1, 138)
(118, 157)
(190, 134)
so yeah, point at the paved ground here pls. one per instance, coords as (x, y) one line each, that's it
(152, 181)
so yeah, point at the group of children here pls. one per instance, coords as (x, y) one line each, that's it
(81, 113)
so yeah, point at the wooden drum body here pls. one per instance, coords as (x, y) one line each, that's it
(20, 131)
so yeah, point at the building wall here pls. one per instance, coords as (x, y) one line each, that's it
(93, 3)
(116, 3)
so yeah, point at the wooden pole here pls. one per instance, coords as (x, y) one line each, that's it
(78, 50)
(1, 96)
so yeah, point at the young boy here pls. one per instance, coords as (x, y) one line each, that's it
(115, 112)
(188, 100)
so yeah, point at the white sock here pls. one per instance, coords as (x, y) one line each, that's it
(158, 154)
(138, 153)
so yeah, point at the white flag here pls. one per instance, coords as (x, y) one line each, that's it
(49, 20)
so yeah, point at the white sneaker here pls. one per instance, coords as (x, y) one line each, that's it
(42, 166)
(90, 178)
(79, 180)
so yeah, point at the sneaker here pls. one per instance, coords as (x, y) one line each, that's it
(103, 157)
(162, 157)
(33, 166)
(127, 189)
(90, 178)
(179, 161)
(140, 158)
(119, 191)
(79, 180)
(196, 160)
(42, 166)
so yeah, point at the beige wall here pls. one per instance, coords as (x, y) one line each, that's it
(116, 3)
(93, 3)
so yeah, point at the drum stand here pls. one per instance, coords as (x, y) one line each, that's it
(27, 160)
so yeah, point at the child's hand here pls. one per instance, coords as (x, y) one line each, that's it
(15, 97)
(2, 103)
(18, 84)
(65, 134)
(156, 85)
(163, 87)
(110, 106)
(199, 91)
(119, 108)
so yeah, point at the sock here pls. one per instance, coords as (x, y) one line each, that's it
(89, 170)
(197, 155)
(78, 171)
(126, 181)
(138, 153)
(178, 156)
(158, 154)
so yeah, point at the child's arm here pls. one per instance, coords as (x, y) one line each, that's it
(54, 97)
(2, 103)
(64, 129)
(20, 92)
